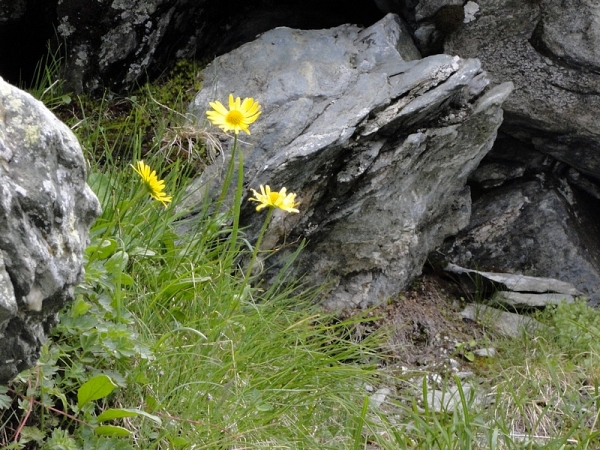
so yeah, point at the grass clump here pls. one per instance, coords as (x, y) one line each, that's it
(545, 384)
(168, 344)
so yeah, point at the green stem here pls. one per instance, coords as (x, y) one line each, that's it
(259, 241)
(229, 173)
(237, 204)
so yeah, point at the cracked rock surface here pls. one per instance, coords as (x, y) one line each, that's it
(376, 142)
(46, 209)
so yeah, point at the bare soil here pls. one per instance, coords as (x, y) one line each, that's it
(424, 327)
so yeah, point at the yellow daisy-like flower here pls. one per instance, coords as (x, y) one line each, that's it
(280, 199)
(154, 186)
(238, 117)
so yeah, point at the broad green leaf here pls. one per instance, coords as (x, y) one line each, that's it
(5, 400)
(141, 251)
(178, 441)
(100, 248)
(264, 407)
(126, 280)
(98, 387)
(119, 413)
(117, 262)
(80, 307)
(112, 430)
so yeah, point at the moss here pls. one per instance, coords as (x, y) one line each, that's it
(180, 86)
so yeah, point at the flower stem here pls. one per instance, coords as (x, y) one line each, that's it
(259, 241)
(237, 203)
(229, 173)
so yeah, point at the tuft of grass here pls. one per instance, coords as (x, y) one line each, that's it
(167, 344)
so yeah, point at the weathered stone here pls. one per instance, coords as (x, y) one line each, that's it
(538, 228)
(519, 300)
(376, 145)
(116, 44)
(549, 50)
(113, 44)
(449, 399)
(488, 352)
(517, 282)
(583, 183)
(46, 209)
(492, 174)
(506, 323)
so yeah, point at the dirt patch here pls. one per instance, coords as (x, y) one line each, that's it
(425, 329)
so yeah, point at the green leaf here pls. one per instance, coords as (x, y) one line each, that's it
(264, 407)
(119, 413)
(112, 430)
(178, 441)
(117, 262)
(98, 387)
(126, 280)
(141, 251)
(5, 400)
(29, 434)
(80, 307)
(105, 249)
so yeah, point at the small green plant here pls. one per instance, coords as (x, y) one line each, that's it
(575, 327)
(465, 350)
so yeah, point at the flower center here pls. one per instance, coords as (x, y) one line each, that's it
(274, 198)
(234, 118)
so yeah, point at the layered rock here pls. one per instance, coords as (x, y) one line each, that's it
(46, 209)
(377, 144)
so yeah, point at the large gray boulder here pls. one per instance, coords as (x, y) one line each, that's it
(46, 210)
(539, 228)
(376, 142)
(549, 50)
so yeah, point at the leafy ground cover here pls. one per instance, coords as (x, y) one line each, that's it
(169, 343)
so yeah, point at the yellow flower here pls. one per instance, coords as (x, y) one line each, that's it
(154, 186)
(238, 117)
(280, 199)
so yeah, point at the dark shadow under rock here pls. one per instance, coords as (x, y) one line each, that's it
(540, 228)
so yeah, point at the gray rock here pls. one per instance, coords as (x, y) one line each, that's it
(114, 44)
(493, 174)
(376, 145)
(524, 301)
(506, 323)
(570, 31)
(378, 398)
(520, 283)
(488, 352)
(11, 11)
(549, 50)
(536, 228)
(585, 184)
(46, 209)
(449, 399)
